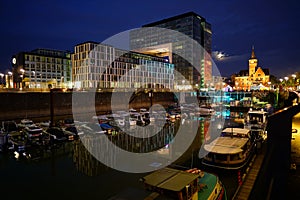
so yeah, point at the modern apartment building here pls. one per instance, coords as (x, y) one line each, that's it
(42, 68)
(102, 66)
(193, 63)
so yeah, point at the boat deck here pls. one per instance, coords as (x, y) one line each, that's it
(207, 181)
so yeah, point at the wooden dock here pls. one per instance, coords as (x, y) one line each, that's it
(248, 180)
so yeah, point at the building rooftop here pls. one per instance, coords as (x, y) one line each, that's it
(174, 18)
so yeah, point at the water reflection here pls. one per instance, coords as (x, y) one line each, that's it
(85, 162)
(91, 146)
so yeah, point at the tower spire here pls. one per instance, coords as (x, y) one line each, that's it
(252, 53)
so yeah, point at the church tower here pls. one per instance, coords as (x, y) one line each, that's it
(252, 63)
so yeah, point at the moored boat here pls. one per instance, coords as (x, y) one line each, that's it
(33, 133)
(256, 121)
(25, 123)
(169, 183)
(210, 187)
(17, 141)
(205, 110)
(233, 149)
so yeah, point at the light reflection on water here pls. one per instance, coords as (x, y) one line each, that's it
(70, 171)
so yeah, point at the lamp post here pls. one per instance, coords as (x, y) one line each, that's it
(22, 76)
(294, 77)
(9, 77)
(280, 85)
(33, 72)
(286, 79)
(2, 75)
(269, 84)
(40, 80)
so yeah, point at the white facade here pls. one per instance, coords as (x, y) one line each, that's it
(42, 68)
(102, 66)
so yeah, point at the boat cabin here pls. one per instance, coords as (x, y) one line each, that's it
(173, 183)
(257, 116)
(231, 150)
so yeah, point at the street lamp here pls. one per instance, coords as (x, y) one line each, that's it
(2, 75)
(9, 77)
(33, 72)
(40, 80)
(294, 77)
(22, 75)
(269, 83)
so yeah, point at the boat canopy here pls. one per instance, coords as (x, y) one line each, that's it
(170, 179)
(237, 131)
(226, 145)
(257, 112)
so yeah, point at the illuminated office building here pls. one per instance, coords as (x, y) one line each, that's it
(161, 43)
(42, 68)
(102, 66)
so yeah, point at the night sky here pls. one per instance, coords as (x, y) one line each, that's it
(271, 26)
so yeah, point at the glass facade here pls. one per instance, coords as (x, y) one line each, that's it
(184, 52)
(102, 66)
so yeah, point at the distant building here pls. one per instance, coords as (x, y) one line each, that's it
(42, 68)
(254, 77)
(102, 66)
(218, 82)
(161, 43)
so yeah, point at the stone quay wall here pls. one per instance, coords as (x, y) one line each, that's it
(19, 105)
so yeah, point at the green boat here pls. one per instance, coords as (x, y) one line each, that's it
(193, 184)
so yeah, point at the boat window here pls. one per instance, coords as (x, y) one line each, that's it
(209, 155)
(221, 157)
(240, 155)
(234, 157)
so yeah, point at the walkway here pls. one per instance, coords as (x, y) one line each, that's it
(244, 190)
(294, 176)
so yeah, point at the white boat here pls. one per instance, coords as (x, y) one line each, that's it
(231, 150)
(44, 124)
(131, 110)
(33, 133)
(256, 121)
(205, 110)
(25, 123)
(138, 118)
(120, 121)
(132, 122)
(146, 115)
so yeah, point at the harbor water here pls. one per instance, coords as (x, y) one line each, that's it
(69, 171)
